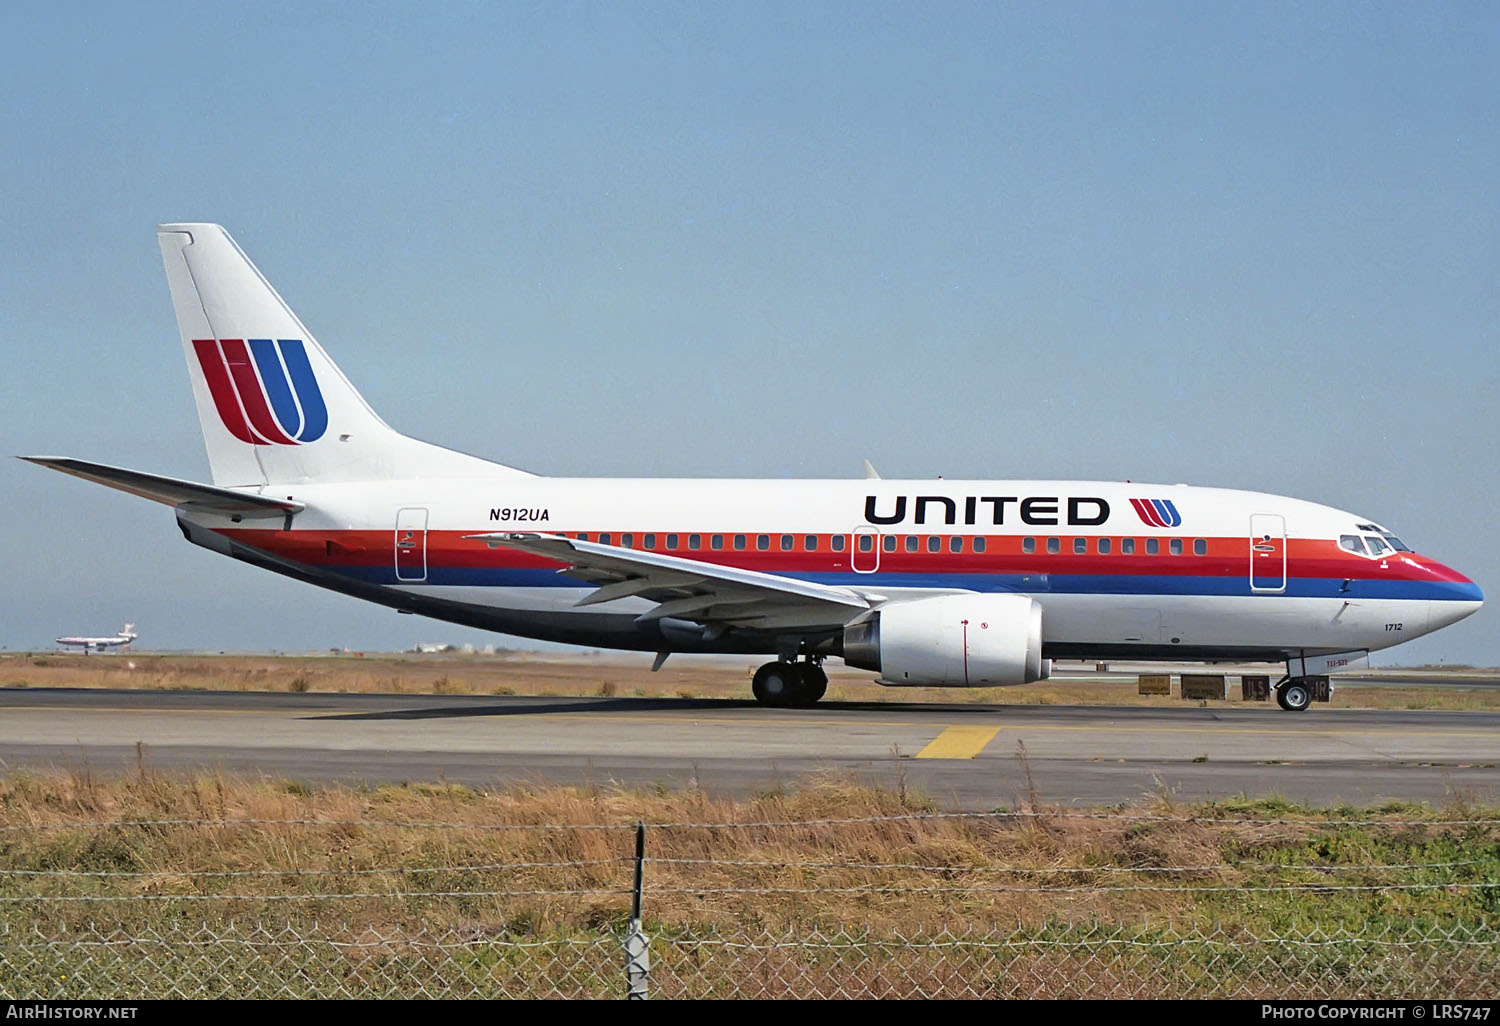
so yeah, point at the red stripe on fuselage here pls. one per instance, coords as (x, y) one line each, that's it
(1224, 557)
(211, 359)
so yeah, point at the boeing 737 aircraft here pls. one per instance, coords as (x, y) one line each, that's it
(938, 583)
(124, 638)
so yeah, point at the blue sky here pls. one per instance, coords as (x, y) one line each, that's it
(1254, 247)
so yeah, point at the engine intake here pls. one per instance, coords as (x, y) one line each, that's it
(951, 641)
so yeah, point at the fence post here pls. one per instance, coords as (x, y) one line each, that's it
(637, 947)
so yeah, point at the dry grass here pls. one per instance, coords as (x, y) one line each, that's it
(953, 873)
(1072, 920)
(530, 674)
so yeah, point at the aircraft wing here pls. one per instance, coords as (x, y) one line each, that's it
(688, 589)
(171, 490)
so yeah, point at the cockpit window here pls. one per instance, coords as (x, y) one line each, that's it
(1380, 540)
(1351, 543)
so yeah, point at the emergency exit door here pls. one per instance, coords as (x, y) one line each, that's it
(1267, 552)
(864, 550)
(411, 544)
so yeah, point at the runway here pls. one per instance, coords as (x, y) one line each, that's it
(963, 756)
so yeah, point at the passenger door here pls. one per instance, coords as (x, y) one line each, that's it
(411, 544)
(1267, 553)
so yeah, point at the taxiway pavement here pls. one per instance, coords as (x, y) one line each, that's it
(963, 755)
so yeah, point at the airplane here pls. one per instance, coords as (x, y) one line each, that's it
(942, 583)
(124, 638)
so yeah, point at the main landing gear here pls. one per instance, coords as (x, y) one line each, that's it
(788, 684)
(1293, 694)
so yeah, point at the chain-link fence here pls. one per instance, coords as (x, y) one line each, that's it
(1010, 905)
(317, 960)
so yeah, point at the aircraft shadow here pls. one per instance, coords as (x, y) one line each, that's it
(526, 706)
(523, 706)
(538, 707)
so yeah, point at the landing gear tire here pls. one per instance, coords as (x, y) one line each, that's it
(784, 685)
(1294, 696)
(775, 683)
(813, 681)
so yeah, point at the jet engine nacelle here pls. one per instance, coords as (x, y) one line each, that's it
(951, 641)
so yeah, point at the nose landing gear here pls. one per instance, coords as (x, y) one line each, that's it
(785, 684)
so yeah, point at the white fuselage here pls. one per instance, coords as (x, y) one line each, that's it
(1204, 587)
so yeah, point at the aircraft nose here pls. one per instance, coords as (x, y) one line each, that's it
(1458, 597)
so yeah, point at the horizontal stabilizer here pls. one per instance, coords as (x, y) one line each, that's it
(170, 490)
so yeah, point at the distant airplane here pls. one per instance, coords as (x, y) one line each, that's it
(124, 638)
(939, 582)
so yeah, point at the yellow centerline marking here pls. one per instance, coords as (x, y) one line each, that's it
(959, 743)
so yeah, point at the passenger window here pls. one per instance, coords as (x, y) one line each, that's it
(934, 543)
(1054, 545)
(1200, 547)
(786, 543)
(955, 544)
(583, 536)
(866, 543)
(1104, 546)
(1028, 544)
(890, 543)
(1352, 543)
(604, 539)
(739, 542)
(671, 541)
(1127, 546)
(695, 541)
(1080, 546)
(762, 542)
(911, 543)
(716, 542)
(811, 541)
(837, 543)
(979, 544)
(1176, 546)
(627, 541)
(650, 541)
(1151, 546)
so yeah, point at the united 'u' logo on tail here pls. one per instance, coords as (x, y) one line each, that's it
(1157, 512)
(264, 389)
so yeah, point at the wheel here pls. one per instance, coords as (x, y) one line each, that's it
(781, 684)
(812, 684)
(775, 684)
(1294, 696)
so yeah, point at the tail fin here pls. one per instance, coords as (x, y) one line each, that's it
(274, 408)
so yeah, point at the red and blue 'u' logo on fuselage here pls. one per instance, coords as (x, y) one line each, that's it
(1157, 512)
(264, 389)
